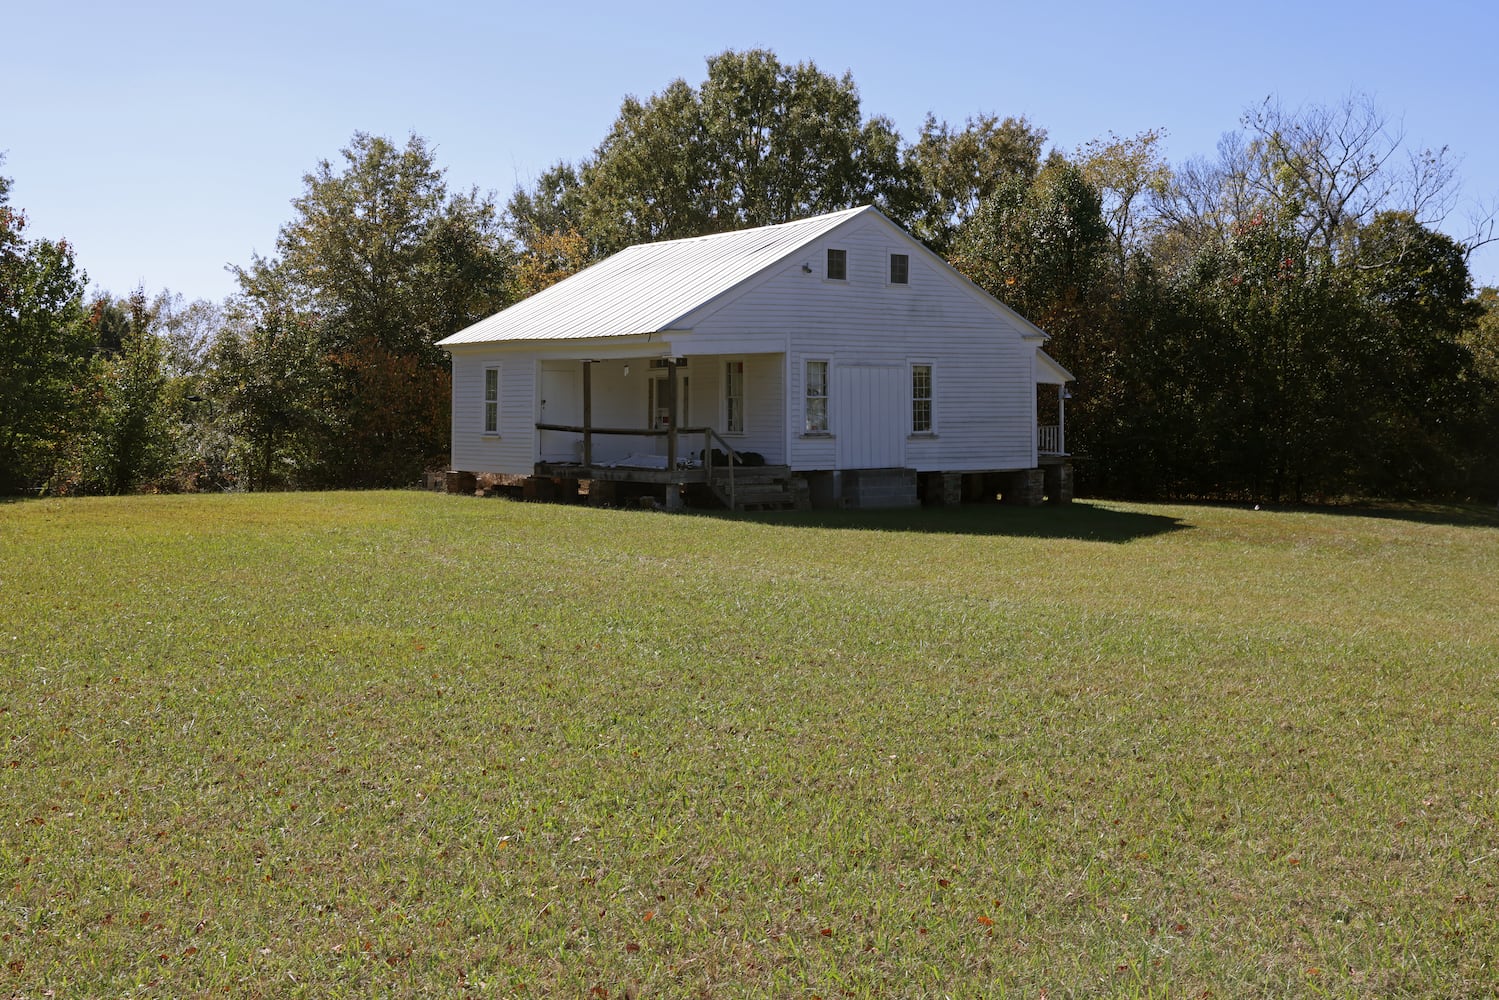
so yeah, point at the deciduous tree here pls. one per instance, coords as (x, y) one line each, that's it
(758, 142)
(379, 262)
(1130, 176)
(44, 348)
(956, 169)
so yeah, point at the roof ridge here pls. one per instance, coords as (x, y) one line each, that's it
(855, 210)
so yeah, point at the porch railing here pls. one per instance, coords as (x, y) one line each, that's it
(710, 436)
(1049, 439)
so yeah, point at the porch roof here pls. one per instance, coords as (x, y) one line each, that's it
(1049, 372)
(648, 288)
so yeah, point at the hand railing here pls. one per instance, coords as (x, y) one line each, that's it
(710, 436)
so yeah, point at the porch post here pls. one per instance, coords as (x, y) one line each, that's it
(588, 414)
(1062, 418)
(671, 409)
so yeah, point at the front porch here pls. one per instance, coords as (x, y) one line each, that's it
(727, 430)
(710, 471)
(587, 429)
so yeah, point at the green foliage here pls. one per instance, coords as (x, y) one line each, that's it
(110, 319)
(1130, 176)
(1435, 428)
(758, 142)
(1280, 321)
(1419, 275)
(554, 206)
(1289, 345)
(1483, 337)
(135, 427)
(549, 257)
(1283, 320)
(1040, 248)
(269, 387)
(958, 170)
(128, 441)
(1270, 370)
(379, 263)
(44, 348)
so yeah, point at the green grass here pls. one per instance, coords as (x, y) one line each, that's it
(404, 744)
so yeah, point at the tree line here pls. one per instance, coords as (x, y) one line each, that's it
(1281, 320)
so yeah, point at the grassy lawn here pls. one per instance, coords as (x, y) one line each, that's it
(405, 744)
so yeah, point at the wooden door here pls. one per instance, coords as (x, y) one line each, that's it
(870, 407)
(561, 402)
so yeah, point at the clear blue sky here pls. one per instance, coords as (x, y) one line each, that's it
(166, 139)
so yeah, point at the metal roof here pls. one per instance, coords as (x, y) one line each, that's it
(649, 287)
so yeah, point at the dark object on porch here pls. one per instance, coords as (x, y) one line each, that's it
(743, 459)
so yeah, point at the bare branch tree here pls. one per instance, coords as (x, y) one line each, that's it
(1483, 226)
(1327, 170)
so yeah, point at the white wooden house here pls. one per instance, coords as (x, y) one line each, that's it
(855, 364)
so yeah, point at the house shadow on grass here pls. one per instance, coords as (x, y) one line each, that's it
(1081, 521)
(1454, 515)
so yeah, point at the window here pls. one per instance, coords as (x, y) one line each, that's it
(921, 399)
(838, 265)
(900, 269)
(817, 397)
(491, 401)
(733, 397)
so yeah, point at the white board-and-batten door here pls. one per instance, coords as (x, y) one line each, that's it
(871, 415)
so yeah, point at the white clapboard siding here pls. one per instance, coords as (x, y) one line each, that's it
(512, 448)
(982, 360)
(763, 296)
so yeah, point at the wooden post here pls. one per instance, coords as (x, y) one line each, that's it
(588, 414)
(1062, 419)
(671, 410)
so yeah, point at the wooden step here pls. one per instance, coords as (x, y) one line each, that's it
(762, 487)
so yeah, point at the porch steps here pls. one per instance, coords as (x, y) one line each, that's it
(757, 488)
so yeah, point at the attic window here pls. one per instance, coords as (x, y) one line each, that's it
(900, 269)
(837, 265)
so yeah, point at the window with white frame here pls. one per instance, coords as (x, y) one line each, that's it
(733, 397)
(491, 401)
(900, 269)
(817, 397)
(921, 399)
